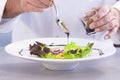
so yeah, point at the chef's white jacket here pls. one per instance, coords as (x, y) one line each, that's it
(43, 24)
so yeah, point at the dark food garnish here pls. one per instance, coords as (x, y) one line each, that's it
(21, 51)
(39, 49)
(99, 50)
(73, 51)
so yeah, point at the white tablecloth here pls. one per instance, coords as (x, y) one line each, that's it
(14, 68)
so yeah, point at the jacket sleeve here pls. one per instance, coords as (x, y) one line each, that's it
(5, 24)
(2, 7)
(116, 38)
(117, 5)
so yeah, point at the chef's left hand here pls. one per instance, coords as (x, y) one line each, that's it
(106, 18)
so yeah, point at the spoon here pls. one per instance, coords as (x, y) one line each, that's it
(60, 23)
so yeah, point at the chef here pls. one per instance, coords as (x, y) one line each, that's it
(36, 18)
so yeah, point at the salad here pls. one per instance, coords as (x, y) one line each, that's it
(69, 51)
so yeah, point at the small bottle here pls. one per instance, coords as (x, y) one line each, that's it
(86, 24)
(88, 30)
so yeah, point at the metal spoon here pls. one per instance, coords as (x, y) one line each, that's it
(60, 23)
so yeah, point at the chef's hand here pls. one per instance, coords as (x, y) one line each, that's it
(15, 7)
(35, 5)
(104, 18)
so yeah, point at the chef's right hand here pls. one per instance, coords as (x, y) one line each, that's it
(15, 7)
(35, 5)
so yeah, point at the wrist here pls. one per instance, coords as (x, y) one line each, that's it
(117, 7)
(12, 9)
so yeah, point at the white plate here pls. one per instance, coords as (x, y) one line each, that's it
(59, 64)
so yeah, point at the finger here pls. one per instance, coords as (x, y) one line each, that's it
(103, 21)
(113, 24)
(47, 3)
(111, 33)
(90, 13)
(38, 4)
(112, 16)
(31, 8)
(102, 12)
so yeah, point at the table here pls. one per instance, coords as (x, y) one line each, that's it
(14, 68)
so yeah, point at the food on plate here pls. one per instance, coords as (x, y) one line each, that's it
(69, 51)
